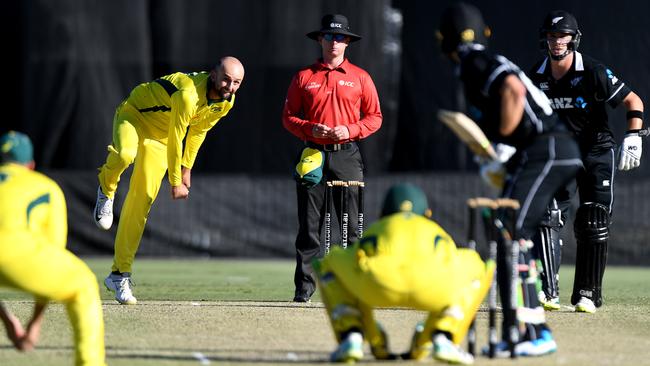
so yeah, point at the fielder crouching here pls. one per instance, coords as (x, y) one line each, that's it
(403, 260)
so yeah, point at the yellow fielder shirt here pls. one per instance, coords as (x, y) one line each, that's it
(193, 115)
(31, 203)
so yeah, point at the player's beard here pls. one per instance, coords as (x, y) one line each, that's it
(224, 93)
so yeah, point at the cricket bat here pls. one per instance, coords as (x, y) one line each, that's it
(468, 132)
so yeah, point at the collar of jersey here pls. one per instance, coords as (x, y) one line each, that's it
(320, 65)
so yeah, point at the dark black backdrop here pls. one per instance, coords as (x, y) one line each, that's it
(72, 61)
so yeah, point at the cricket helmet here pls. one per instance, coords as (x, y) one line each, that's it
(559, 21)
(461, 24)
(16, 147)
(405, 197)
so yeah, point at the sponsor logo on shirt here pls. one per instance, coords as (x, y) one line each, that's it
(611, 76)
(312, 85)
(561, 103)
(606, 183)
(568, 103)
(346, 83)
(543, 85)
(576, 80)
(216, 108)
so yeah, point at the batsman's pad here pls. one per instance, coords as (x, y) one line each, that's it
(591, 228)
(309, 170)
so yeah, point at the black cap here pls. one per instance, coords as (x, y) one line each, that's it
(461, 23)
(334, 24)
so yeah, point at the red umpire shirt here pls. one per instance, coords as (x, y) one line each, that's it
(345, 96)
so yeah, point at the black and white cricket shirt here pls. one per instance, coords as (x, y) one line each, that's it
(580, 97)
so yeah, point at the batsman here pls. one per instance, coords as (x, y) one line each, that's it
(149, 129)
(511, 110)
(406, 260)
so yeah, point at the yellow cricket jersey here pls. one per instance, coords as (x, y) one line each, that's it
(403, 251)
(171, 104)
(31, 203)
(406, 236)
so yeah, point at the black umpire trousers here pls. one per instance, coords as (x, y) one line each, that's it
(346, 165)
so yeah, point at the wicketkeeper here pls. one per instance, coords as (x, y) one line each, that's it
(403, 260)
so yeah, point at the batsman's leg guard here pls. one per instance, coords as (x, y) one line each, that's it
(548, 249)
(343, 309)
(591, 227)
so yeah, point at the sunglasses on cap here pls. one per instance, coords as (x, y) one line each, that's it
(336, 37)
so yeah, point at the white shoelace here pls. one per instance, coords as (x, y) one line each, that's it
(125, 287)
(105, 205)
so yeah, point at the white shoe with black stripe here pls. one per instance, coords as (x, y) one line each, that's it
(103, 213)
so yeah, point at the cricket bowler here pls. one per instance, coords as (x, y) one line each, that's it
(148, 131)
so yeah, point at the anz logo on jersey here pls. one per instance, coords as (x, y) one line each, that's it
(568, 103)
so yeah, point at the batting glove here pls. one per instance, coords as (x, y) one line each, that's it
(494, 174)
(630, 151)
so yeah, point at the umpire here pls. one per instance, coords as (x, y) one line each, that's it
(580, 88)
(330, 105)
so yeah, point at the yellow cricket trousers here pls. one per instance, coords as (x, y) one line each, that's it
(52, 273)
(133, 144)
(451, 290)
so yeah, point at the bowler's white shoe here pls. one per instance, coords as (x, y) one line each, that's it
(103, 210)
(120, 283)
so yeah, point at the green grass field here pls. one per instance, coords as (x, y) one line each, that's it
(236, 312)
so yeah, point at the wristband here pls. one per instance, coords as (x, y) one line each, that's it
(634, 114)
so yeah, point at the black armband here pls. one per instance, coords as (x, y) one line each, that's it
(634, 114)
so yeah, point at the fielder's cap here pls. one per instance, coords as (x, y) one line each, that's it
(405, 198)
(16, 147)
(334, 24)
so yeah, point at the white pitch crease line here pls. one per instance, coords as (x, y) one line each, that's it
(201, 358)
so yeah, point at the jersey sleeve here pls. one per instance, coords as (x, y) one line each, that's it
(183, 106)
(609, 87)
(292, 111)
(196, 134)
(370, 110)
